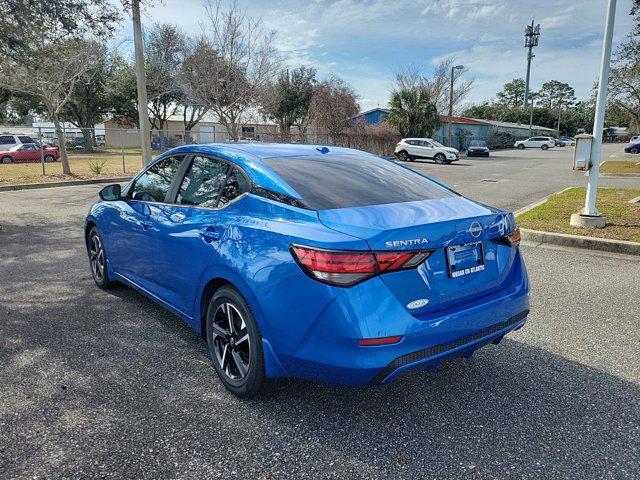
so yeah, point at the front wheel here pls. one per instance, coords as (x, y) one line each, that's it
(98, 259)
(439, 158)
(545, 147)
(7, 159)
(634, 151)
(235, 344)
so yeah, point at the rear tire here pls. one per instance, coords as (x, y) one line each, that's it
(235, 344)
(545, 147)
(7, 160)
(49, 158)
(439, 158)
(403, 156)
(521, 147)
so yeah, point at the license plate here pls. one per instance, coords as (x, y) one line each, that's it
(465, 259)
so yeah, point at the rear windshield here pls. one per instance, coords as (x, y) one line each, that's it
(341, 181)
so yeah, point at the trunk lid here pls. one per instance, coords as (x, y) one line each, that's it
(432, 225)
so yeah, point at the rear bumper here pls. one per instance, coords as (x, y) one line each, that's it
(321, 343)
(430, 358)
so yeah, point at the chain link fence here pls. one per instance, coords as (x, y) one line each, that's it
(32, 151)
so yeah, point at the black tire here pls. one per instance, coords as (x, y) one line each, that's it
(634, 151)
(521, 147)
(250, 379)
(49, 158)
(98, 259)
(545, 147)
(7, 160)
(403, 156)
(439, 158)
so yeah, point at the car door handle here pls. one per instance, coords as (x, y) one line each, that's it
(209, 234)
(146, 224)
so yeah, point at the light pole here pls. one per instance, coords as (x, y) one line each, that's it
(589, 216)
(453, 69)
(141, 82)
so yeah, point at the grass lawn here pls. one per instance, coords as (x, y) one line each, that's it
(620, 167)
(101, 163)
(623, 218)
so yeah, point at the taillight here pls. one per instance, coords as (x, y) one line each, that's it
(348, 267)
(513, 239)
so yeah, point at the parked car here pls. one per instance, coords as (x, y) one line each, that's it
(634, 139)
(536, 142)
(633, 147)
(478, 148)
(8, 141)
(558, 142)
(29, 152)
(325, 263)
(408, 149)
(568, 140)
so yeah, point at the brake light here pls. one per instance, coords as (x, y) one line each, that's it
(513, 239)
(348, 267)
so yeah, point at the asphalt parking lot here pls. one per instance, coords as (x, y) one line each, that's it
(110, 385)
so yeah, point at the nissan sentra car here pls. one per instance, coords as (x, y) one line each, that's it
(323, 263)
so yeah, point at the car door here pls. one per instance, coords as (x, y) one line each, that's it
(21, 154)
(194, 227)
(426, 149)
(31, 153)
(132, 230)
(412, 148)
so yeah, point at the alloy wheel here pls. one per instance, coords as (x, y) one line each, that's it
(232, 345)
(96, 257)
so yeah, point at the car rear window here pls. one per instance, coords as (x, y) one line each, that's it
(340, 181)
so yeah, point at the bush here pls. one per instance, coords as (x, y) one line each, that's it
(96, 166)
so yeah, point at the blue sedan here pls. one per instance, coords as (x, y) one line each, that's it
(324, 263)
(633, 147)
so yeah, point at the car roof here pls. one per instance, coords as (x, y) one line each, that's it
(249, 157)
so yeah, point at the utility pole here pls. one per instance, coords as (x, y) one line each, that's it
(531, 37)
(589, 216)
(453, 69)
(141, 81)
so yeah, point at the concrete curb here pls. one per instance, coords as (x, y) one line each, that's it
(620, 175)
(533, 205)
(30, 186)
(577, 241)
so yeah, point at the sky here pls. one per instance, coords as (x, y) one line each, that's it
(367, 41)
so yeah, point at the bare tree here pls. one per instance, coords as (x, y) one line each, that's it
(333, 105)
(438, 84)
(245, 63)
(197, 88)
(49, 72)
(165, 48)
(625, 79)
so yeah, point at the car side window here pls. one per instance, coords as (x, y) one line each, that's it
(26, 139)
(235, 186)
(6, 139)
(424, 143)
(153, 185)
(202, 183)
(412, 142)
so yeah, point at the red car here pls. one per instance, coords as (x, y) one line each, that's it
(29, 152)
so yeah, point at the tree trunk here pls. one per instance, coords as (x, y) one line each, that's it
(61, 143)
(87, 135)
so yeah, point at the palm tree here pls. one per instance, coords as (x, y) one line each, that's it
(413, 112)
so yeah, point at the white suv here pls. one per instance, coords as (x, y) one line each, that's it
(535, 142)
(408, 149)
(7, 141)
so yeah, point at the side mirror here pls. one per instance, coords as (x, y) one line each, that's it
(111, 193)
